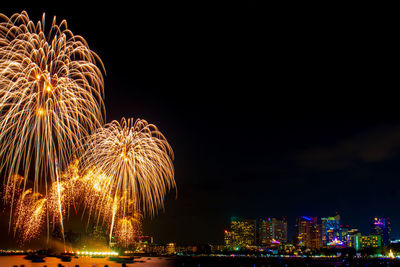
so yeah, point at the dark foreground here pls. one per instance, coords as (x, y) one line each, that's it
(269, 262)
(194, 261)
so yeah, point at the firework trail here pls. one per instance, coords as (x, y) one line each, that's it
(13, 188)
(51, 93)
(127, 230)
(31, 208)
(51, 110)
(29, 215)
(130, 165)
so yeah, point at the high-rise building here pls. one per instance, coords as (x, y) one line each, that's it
(331, 229)
(309, 232)
(351, 237)
(170, 248)
(370, 241)
(272, 231)
(242, 234)
(381, 226)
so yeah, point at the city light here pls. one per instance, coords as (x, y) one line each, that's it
(335, 242)
(97, 253)
(80, 190)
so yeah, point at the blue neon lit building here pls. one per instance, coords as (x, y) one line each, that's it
(331, 229)
(381, 226)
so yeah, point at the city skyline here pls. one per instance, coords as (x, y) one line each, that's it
(365, 227)
(312, 235)
(264, 117)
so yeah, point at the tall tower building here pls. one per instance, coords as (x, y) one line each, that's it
(352, 239)
(381, 227)
(272, 230)
(242, 234)
(331, 229)
(309, 232)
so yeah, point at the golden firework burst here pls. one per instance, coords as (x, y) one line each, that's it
(51, 91)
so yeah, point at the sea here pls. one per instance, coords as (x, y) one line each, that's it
(18, 260)
(193, 261)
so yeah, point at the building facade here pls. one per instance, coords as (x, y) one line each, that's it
(309, 233)
(272, 231)
(381, 227)
(241, 235)
(331, 229)
(352, 238)
(370, 241)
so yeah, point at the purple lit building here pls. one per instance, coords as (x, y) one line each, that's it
(309, 233)
(272, 231)
(381, 226)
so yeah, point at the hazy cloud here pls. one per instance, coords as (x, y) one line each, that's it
(376, 145)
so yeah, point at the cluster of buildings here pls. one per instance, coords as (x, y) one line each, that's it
(145, 245)
(311, 234)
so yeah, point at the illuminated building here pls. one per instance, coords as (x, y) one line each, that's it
(331, 229)
(242, 234)
(143, 243)
(156, 249)
(352, 238)
(189, 249)
(170, 248)
(217, 248)
(381, 226)
(272, 231)
(336, 243)
(370, 241)
(309, 232)
(228, 239)
(146, 239)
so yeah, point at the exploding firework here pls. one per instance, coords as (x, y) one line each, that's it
(13, 188)
(128, 229)
(29, 215)
(130, 169)
(51, 109)
(134, 161)
(31, 207)
(51, 93)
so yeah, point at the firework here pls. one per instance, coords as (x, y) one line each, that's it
(51, 93)
(31, 207)
(51, 110)
(127, 230)
(29, 215)
(13, 188)
(135, 163)
(128, 169)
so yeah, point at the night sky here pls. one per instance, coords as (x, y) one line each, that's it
(271, 111)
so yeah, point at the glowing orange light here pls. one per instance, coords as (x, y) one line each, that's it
(42, 60)
(41, 111)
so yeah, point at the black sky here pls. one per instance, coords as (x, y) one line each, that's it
(272, 111)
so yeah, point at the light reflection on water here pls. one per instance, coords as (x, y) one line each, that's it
(10, 261)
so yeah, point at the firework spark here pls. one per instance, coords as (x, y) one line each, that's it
(31, 208)
(51, 109)
(128, 229)
(29, 215)
(135, 163)
(129, 169)
(13, 188)
(51, 93)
